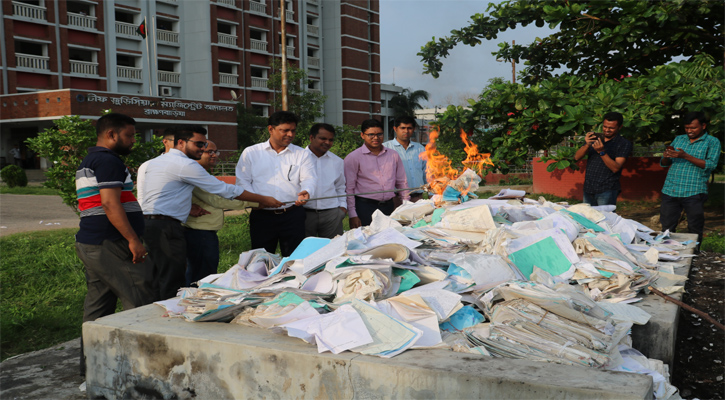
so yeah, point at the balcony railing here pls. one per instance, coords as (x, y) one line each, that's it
(289, 16)
(129, 73)
(167, 36)
(83, 67)
(313, 61)
(312, 1)
(225, 38)
(228, 79)
(125, 28)
(226, 2)
(83, 21)
(257, 7)
(169, 77)
(29, 11)
(313, 90)
(290, 51)
(313, 30)
(31, 61)
(260, 45)
(259, 82)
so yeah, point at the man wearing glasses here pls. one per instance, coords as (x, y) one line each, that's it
(202, 258)
(372, 168)
(278, 168)
(170, 179)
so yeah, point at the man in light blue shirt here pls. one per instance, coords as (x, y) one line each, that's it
(409, 152)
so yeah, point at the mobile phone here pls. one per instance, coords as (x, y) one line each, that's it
(599, 135)
(670, 148)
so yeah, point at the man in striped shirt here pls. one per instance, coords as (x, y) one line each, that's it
(108, 242)
(691, 158)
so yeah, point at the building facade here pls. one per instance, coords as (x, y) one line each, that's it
(202, 53)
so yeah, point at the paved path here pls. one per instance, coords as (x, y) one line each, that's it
(23, 213)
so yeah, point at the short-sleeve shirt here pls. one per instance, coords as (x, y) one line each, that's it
(685, 179)
(599, 178)
(103, 169)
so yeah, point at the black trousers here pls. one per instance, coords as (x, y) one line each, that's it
(267, 228)
(694, 207)
(366, 207)
(166, 243)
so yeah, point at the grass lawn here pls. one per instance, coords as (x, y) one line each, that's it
(4, 189)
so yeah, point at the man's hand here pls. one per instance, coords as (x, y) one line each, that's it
(137, 250)
(672, 153)
(344, 210)
(302, 198)
(197, 211)
(355, 222)
(590, 138)
(269, 202)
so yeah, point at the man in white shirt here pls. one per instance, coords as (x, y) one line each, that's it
(280, 169)
(409, 152)
(168, 141)
(170, 179)
(324, 217)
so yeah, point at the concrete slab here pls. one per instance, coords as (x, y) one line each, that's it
(657, 338)
(139, 353)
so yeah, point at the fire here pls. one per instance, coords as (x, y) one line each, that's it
(439, 170)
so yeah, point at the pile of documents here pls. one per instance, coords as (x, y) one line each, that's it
(506, 277)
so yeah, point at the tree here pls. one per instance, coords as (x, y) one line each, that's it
(405, 103)
(251, 127)
(66, 144)
(595, 38)
(619, 57)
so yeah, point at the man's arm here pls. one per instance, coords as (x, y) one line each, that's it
(679, 153)
(340, 186)
(351, 171)
(589, 139)
(140, 179)
(111, 202)
(220, 202)
(401, 180)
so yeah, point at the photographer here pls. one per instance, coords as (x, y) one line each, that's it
(607, 153)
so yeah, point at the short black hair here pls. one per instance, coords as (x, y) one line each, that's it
(614, 116)
(169, 133)
(114, 121)
(283, 117)
(405, 119)
(695, 115)
(370, 123)
(315, 129)
(186, 132)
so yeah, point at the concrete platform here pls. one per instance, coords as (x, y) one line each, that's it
(139, 353)
(657, 338)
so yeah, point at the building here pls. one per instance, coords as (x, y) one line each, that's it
(199, 58)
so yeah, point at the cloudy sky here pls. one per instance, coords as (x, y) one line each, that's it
(407, 25)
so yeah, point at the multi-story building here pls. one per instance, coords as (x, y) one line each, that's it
(199, 58)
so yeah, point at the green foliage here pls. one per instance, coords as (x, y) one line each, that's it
(66, 144)
(713, 242)
(594, 38)
(405, 103)
(42, 291)
(564, 158)
(307, 105)
(13, 175)
(251, 127)
(34, 190)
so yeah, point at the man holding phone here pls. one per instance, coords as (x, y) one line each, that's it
(607, 153)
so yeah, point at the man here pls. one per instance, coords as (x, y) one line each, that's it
(606, 158)
(17, 156)
(280, 169)
(409, 152)
(324, 217)
(111, 226)
(202, 258)
(170, 179)
(371, 168)
(691, 158)
(168, 141)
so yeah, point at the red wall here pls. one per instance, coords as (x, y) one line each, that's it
(642, 179)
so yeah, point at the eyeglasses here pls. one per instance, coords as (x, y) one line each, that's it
(212, 152)
(198, 143)
(373, 135)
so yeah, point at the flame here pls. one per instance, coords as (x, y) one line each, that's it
(439, 170)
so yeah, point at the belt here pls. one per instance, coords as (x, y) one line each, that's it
(319, 211)
(160, 216)
(366, 200)
(277, 212)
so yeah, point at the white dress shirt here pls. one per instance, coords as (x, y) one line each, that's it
(169, 180)
(140, 179)
(330, 181)
(282, 175)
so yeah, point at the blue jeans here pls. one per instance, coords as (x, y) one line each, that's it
(602, 199)
(202, 254)
(672, 207)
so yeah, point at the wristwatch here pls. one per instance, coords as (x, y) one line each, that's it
(602, 153)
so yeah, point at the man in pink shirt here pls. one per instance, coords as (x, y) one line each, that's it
(372, 168)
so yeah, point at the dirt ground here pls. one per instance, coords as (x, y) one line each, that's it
(700, 350)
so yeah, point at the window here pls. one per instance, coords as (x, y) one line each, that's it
(259, 72)
(126, 17)
(257, 35)
(123, 60)
(81, 55)
(228, 29)
(227, 68)
(32, 48)
(76, 7)
(168, 66)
